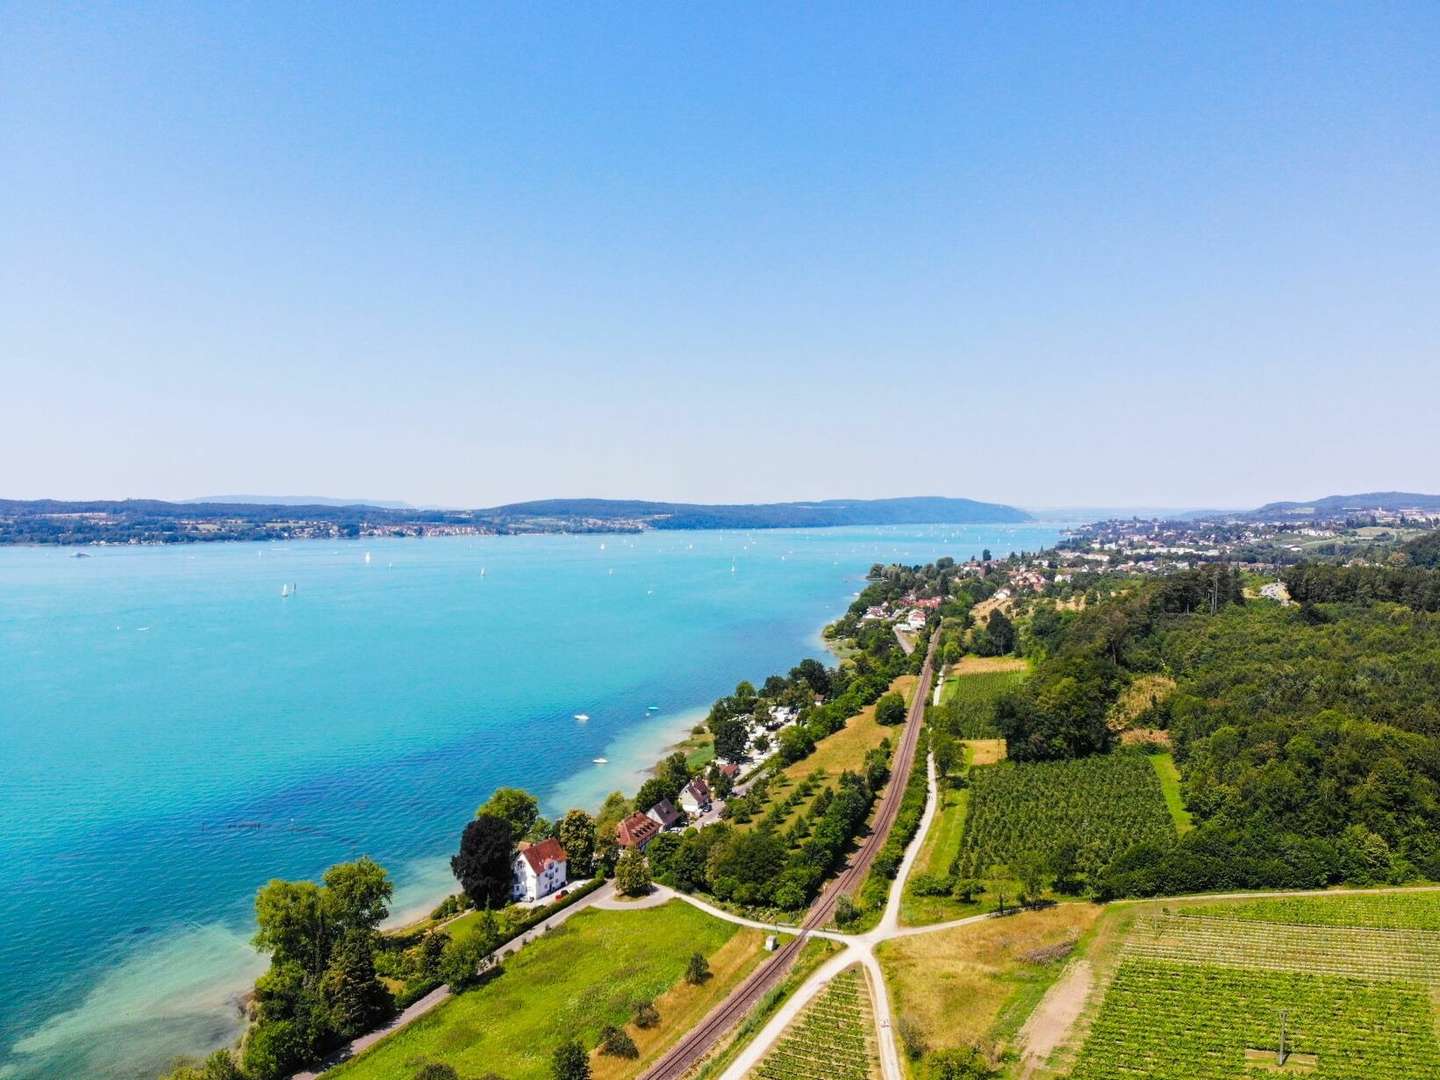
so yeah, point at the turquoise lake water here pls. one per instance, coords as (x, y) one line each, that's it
(173, 732)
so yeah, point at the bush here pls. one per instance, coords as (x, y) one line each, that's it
(930, 885)
(570, 1062)
(436, 1070)
(890, 709)
(912, 1038)
(698, 970)
(845, 911)
(617, 1043)
(646, 1015)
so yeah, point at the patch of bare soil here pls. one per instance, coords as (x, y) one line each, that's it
(1052, 1019)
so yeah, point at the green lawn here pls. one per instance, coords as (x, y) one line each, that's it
(1170, 785)
(937, 852)
(585, 974)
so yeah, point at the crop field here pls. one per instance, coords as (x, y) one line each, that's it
(1362, 952)
(1103, 804)
(1163, 1020)
(967, 704)
(1383, 911)
(832, 1039)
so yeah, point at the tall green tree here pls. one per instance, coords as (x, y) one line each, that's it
(482, 865)
(570, 1062)
(576, 833)
(515, 806)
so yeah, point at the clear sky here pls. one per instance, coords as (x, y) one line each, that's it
(1159, 254)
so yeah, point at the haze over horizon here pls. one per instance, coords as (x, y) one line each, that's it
(1079, 257)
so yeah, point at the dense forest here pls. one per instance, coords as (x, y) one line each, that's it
(1308, 736)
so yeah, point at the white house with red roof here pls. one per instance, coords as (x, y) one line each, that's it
(539, 869)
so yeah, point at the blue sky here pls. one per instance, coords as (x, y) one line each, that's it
(1174, 254)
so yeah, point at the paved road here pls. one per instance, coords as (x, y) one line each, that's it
(698, 1042)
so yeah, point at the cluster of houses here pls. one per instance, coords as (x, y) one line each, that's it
(541, 868)
(908, 613)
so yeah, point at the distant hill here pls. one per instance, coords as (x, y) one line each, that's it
(1332, 505)
(294, 500)
(151, 521)
(921, 510)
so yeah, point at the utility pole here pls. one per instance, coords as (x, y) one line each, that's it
(1280, 1054)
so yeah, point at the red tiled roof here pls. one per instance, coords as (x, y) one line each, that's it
(637, 830)
(546, 851)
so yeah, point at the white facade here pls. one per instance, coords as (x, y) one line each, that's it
(538, 871)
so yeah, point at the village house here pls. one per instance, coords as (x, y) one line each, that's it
(636, 831)
(539, 869)
(695, 799)
(665, 815)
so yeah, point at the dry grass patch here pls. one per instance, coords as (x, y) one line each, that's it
(974, 985)
(683, 1006)
(846, 748)
(979, 665)
(1143, 692)
(984, 751)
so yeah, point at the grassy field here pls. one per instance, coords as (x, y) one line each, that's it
(683, 1006)
(1195, 990)
(833, 1038)
(937, 852)
(975, 985)
(585, 974)
(845, 749)
(1164, 765)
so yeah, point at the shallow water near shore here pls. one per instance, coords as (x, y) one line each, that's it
(173, 732)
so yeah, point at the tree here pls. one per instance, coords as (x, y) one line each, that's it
(674, 772)
(465, 959)
(357, 895)
(632, 873)
(292, 928)
(966, 889)
(795, 744)
(576, 833)
(483, 864)
(1031, 871)
(730, 738)
(812, 673)
(356, 997)
(1064, 867)
(1001, 633)
(698, 970)
(845, 911)
(570, 1062)
(890, 709)
(617, 1042)
(646, 1015)
(651, 792)
(517, 807)
(946, 753)
(218, 1066)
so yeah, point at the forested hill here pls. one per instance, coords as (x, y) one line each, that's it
(1308, 736)
(152, 521)
(1330, 505)
(921, 510)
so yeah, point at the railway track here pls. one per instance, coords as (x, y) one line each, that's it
(686, 1053)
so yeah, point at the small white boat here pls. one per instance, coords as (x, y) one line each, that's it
(582, 717)
(482, 571)
(284, 591)
(652, 708)
(601, 761)
(367, 558)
